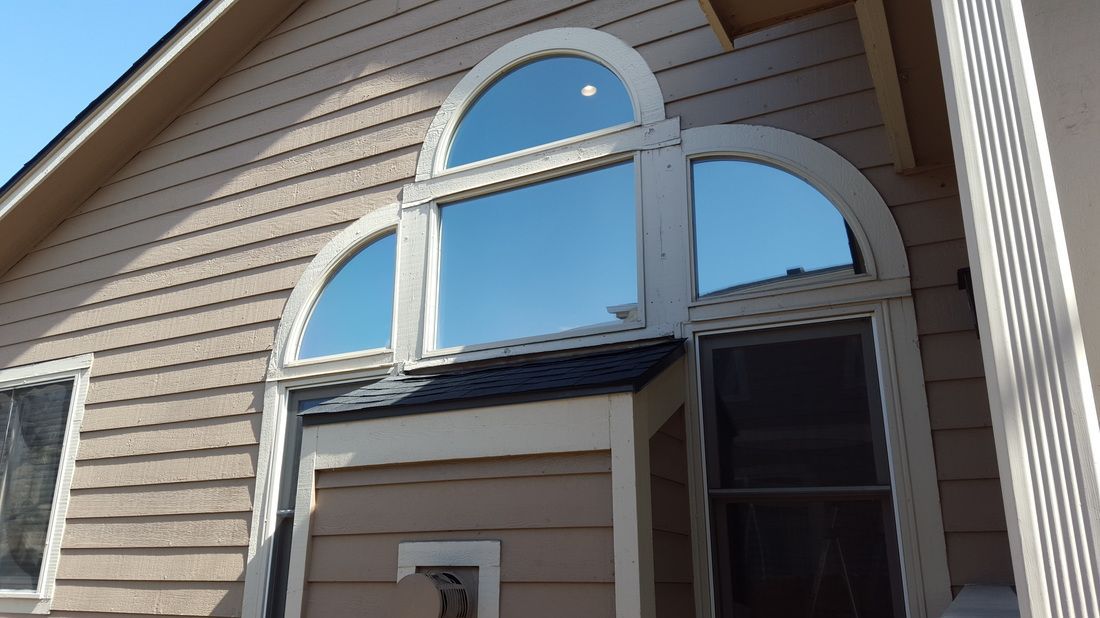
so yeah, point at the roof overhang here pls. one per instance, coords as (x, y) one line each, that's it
(132, 111)
(903, 62)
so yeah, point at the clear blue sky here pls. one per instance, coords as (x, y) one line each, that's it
(56, 56)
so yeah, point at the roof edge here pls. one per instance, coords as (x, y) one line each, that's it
(111, 101)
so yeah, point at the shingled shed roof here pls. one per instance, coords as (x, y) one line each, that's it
(616, 371)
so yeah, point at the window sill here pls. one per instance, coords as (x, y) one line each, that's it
(576, 338)
(12, 602)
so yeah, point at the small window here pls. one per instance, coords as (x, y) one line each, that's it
(542, 259)
(33, 420)
(540, 102)
(758, 224)
(355, 310)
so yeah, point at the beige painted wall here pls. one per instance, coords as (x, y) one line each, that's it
(1065, 50)
(552, 514)
(176, 272)
(671, 506)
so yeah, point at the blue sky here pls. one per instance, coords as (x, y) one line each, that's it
(56, 56)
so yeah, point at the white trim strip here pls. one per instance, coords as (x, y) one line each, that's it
(80, 134)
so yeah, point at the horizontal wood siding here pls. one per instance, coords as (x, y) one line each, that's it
(552, 515)
(672, 546)
(176, 271)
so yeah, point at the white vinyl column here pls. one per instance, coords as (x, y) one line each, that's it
(1044, 413)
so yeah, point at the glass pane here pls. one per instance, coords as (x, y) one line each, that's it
(32, 454)
(794, 413)
(537, 103)
(355, 310)
(545, 258)
(809, 559)
(755, 223)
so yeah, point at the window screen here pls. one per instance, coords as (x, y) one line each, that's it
(797, 474)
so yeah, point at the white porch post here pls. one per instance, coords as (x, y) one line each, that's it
(1044, 413)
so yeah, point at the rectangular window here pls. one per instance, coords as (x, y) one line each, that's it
(798, 476)
(544, 259)
(33, 420)
(41, 407)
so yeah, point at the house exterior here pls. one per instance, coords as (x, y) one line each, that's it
(563, 307)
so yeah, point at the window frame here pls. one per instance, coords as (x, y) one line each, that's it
(651, 140)
(797, 332)
(432, 281)
(284, 362)
(769, 286)
(77, 369)
(663, 154)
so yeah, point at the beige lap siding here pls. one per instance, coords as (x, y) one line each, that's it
(672, 561)
(551, 513)
(176, 271)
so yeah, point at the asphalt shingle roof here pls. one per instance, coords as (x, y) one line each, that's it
(611, 371)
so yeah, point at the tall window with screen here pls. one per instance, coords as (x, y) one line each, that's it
(798, 477)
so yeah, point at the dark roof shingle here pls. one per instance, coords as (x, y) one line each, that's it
(611, 371)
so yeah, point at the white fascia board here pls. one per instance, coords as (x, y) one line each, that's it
(114, 103)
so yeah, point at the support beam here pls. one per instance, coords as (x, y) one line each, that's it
(884, 74)
(1044, 413)
(716, 24)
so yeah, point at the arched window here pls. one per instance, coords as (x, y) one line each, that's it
(529, 185)
(568, 95)
(354, 311)
(757, 224)
(554, 206)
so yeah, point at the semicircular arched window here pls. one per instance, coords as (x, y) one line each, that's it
(756, 224)
(354, 311)
(537, 103)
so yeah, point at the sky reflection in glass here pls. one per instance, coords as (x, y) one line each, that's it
(355, 310)
(540, 102)
(756, 223)
(540, 259)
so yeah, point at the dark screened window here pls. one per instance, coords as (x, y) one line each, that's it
(541, 259)
(355, 309)
(33, 420)
(798, 475)
(537, 103)
(755, 223)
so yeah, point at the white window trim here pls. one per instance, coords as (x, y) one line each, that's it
(485, 555)
(652, 140)
(622, 59)
(77, 369)
(288, 338)
(666, 270)
(852, 194)
(920, 533)
(285, 374)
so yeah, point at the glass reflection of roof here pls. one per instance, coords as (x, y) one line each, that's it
(757, 224)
